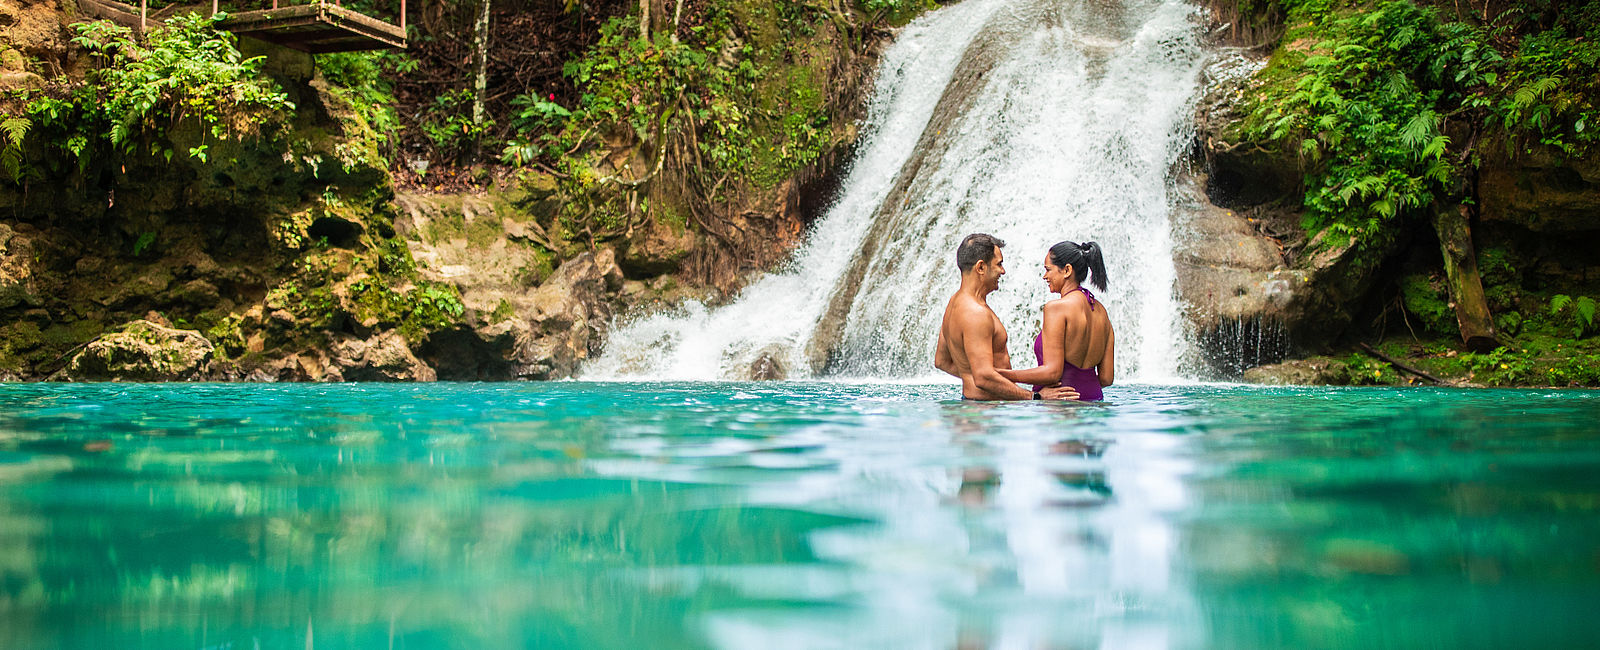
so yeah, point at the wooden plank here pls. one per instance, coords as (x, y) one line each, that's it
(116, 12)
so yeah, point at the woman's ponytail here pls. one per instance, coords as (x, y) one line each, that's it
(1097, 263)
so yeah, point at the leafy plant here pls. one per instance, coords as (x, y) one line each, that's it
(186, 67)
(1367, 108)
(1579, 312)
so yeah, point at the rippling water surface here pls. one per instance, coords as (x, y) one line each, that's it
(794, 515)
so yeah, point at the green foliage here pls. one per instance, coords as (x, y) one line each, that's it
(1362, 370)
(1503, 366)
(427, 307)
(740, 99)
(1384, 107)
(1549, 94)
(1367, 108)
(358, 78)
(1426, 298)
(138, 90)
(1578, 313)
(144, 242)
(449, 125)
(185, 67)
(12, 158)
(1502, 280)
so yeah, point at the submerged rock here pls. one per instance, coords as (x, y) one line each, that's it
(143, 351)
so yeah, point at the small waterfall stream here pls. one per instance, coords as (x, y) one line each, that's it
(1033, 120)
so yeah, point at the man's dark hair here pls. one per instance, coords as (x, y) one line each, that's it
(975, 248)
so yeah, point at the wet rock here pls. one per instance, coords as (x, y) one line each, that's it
(384, 357)
(768, 366)
(143, 351)
(1315, 371)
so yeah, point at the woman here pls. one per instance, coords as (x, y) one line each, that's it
(1075, 348)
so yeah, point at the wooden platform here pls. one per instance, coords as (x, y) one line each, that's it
(316, 27)
(119, 13)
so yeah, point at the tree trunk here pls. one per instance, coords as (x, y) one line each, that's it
(652, 17)
(1461, 275)
(480, 63)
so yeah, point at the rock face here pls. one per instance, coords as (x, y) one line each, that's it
(518, 325)
(1540, 193)
(1255, 289)
(143, 351)
(385, 357)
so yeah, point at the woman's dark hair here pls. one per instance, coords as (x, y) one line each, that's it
(1088, 265)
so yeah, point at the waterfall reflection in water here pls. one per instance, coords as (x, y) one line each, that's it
(793, 515)
(1034, 120)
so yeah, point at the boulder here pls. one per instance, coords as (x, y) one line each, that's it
(384, 357)
(769, 365)
(143, 351)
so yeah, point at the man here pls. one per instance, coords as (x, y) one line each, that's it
(972, 340)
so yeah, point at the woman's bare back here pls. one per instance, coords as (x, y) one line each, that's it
(1086, 344)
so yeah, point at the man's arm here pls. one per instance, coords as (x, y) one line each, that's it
(977, 334)
(1108, 366)
(941, 356)
(1049, 370)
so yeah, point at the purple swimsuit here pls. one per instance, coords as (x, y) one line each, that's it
(1085, 380)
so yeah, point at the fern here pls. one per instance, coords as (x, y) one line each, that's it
(16, 128)
(1419, 132)
(1559, 302)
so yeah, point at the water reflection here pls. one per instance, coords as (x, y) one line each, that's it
(792, 516)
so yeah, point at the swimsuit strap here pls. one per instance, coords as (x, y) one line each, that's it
(1086, 294)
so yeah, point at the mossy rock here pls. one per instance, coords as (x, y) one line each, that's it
(143, 351)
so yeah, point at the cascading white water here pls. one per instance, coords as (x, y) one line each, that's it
(1033, 120)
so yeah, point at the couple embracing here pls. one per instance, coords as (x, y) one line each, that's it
(1074, 350)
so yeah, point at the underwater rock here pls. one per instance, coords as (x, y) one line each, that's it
(143, 351)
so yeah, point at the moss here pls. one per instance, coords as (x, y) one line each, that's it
(1425, 297)
(502, 312)
(535, 272)
(423, 308)
(482, 232)
(450, 224)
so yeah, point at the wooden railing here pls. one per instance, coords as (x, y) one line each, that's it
(315, 26)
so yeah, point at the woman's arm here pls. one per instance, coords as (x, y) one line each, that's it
(1108, 366)
(1055, 335)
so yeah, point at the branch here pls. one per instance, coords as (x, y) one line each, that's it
(1397, 364)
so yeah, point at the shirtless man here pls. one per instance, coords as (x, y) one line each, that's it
(972, 340)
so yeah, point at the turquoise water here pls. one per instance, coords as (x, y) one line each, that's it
(794, 515)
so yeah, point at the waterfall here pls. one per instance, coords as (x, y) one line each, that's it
(1032, 120)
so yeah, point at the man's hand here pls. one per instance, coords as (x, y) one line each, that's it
(1059, 392)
